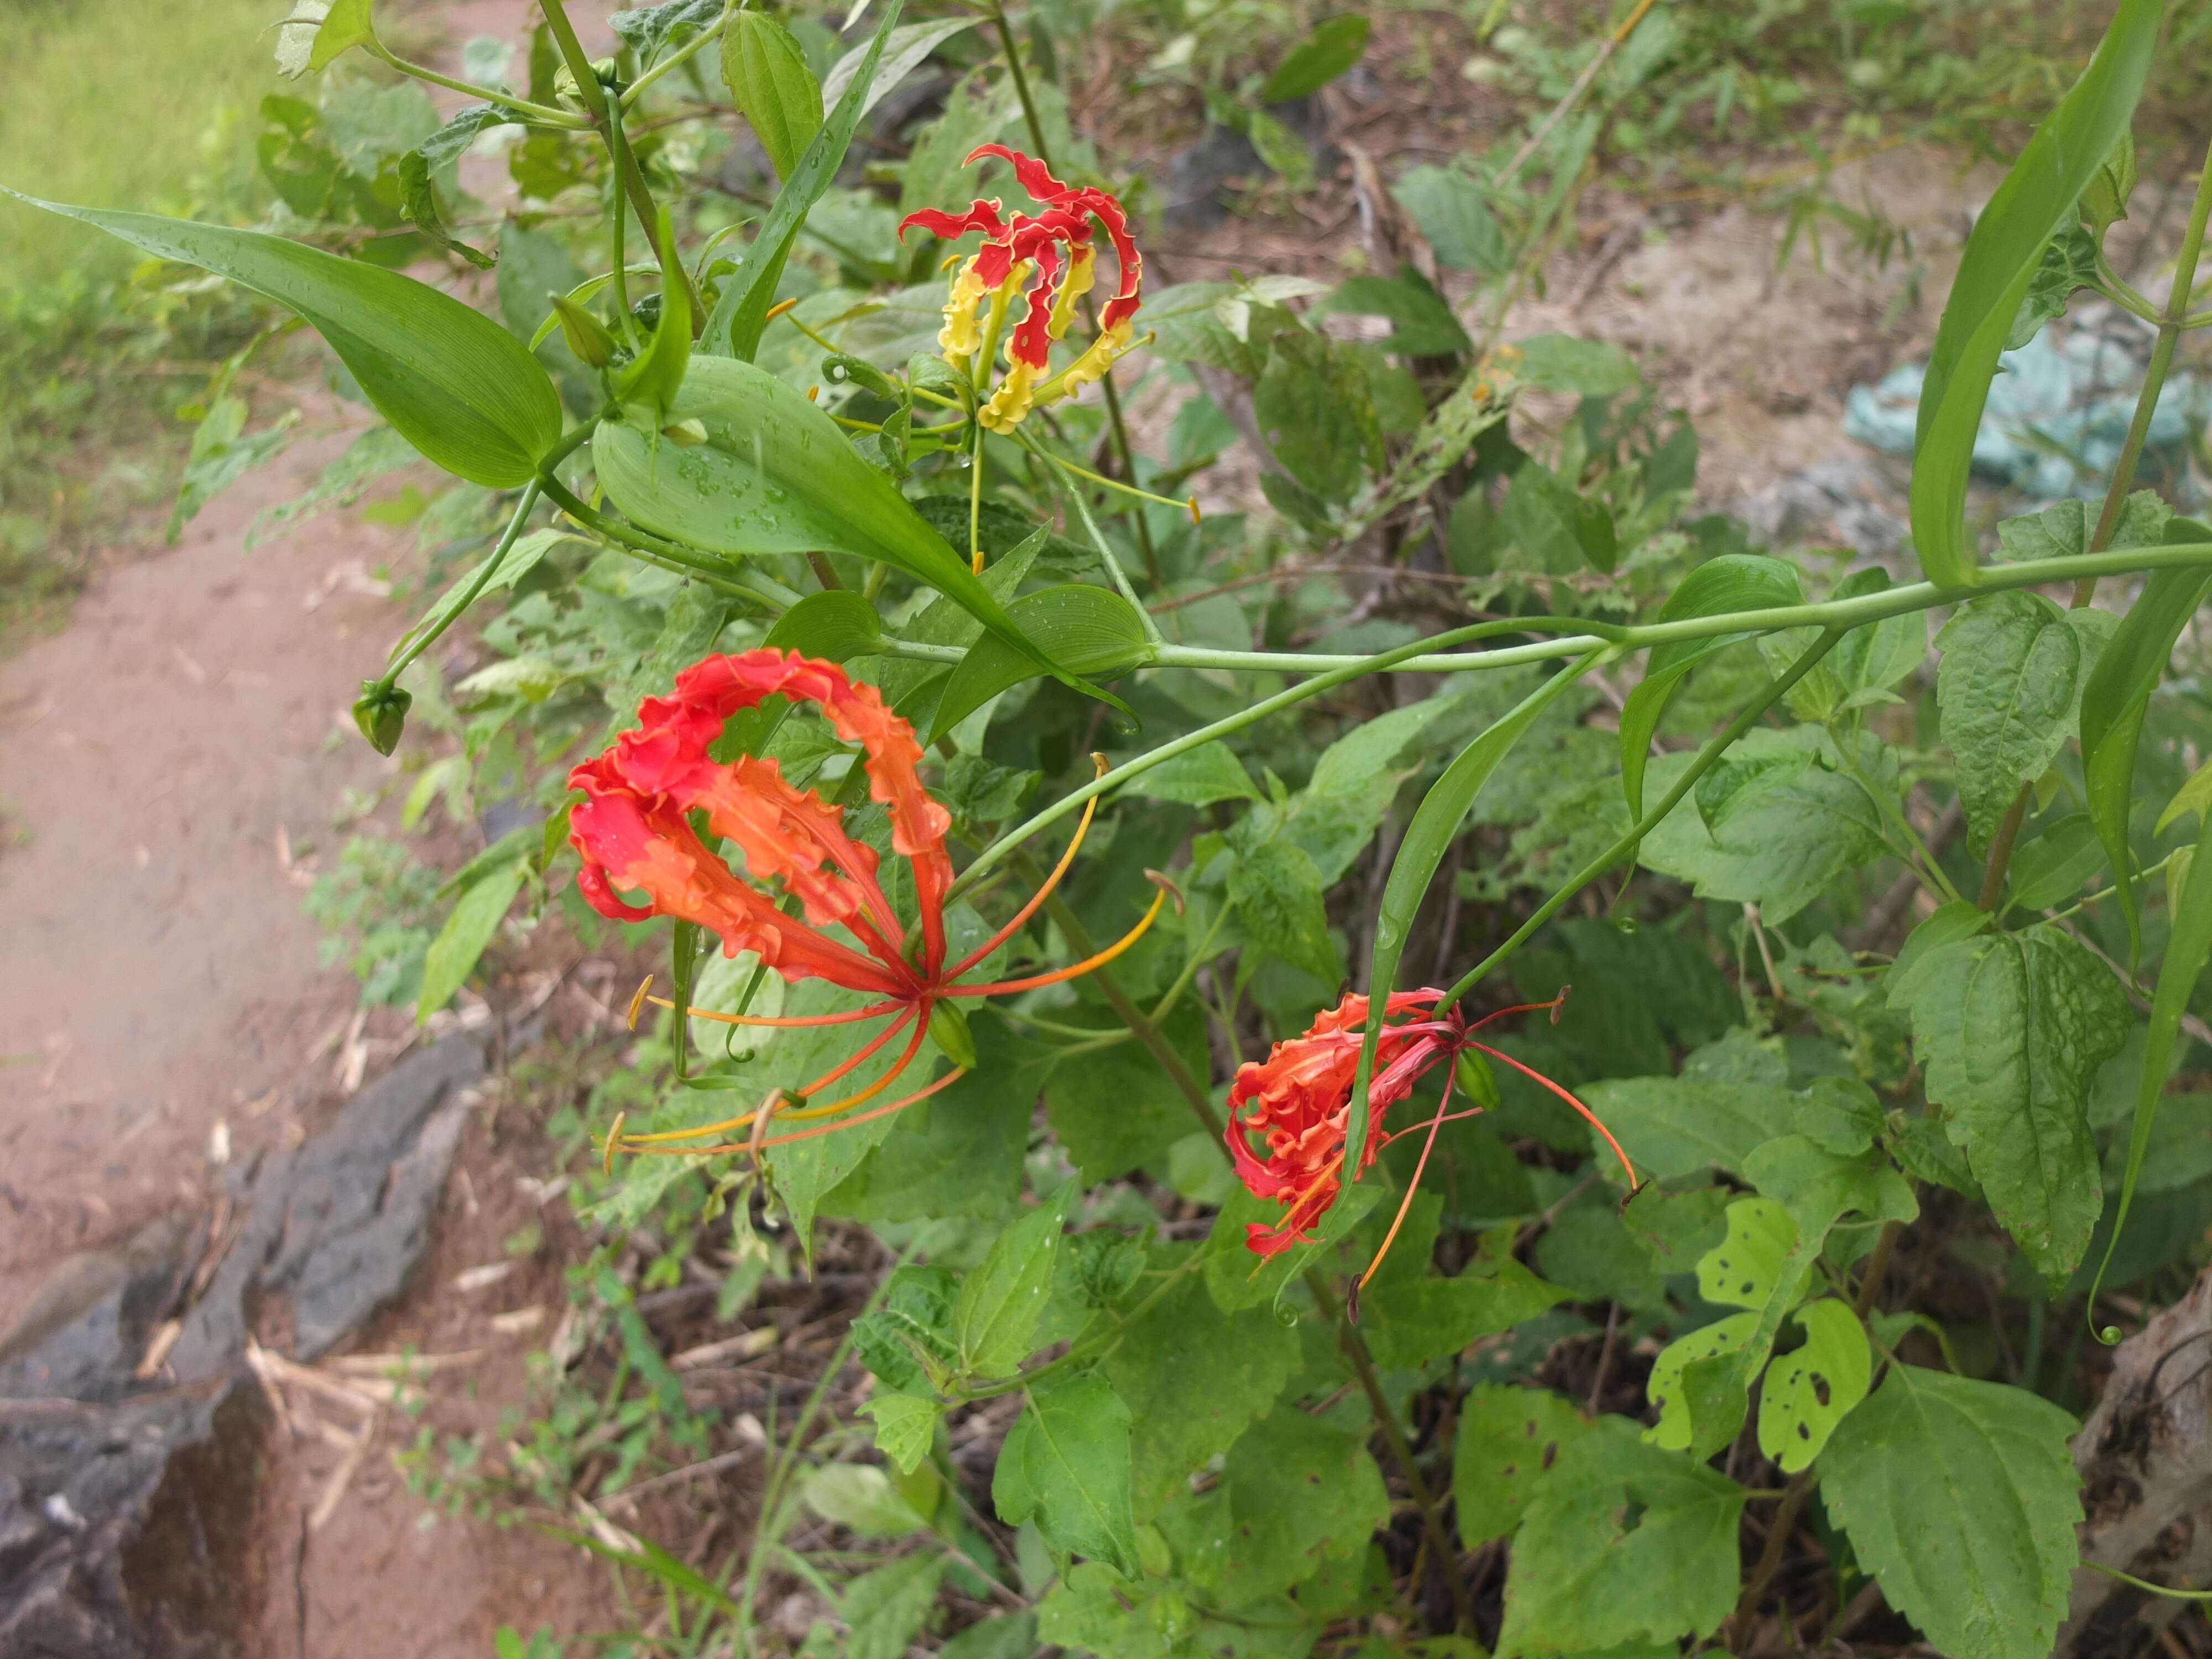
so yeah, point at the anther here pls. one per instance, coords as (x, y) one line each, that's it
(1159, 879)
(637, 1002)
(778, 309)
(614, 1140)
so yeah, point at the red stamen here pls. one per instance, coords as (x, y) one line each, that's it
(1633, 1182)
(859, 1059)
(849, 1017)
(1412, 1186)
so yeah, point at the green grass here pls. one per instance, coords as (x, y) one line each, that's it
(115, 103)
(110, 103)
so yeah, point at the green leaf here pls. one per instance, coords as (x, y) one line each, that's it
(903, 52)
(2069, 262)
(2188, 945)
(2036, 196)
(1451, 211)
(1509, 1440)
(2057, 864)
(1559, 529)
(347, 25)
(1719, 587)
(734, 327)
(519, 561)
(836, 625)
(454, 384)
(2118, 696)
(1426, 325)
(906, 1426)
(1115, 1110)
(996, 1316)
(767, 74)
(1776, 823)
(2011, 1029)
(1869, 660)
(776, 476)
(1086, 630)
(1197, 777)
(2014, 665)
(1698, 1408)
(1579, 367)
(1284, 150)
(860, 1498)
(654, 381)
(418, 169)
(1302, 1493)
(1623, 1541)
(1067, 1467)
(1672, 1127)
(1811, 1389)
(1277, 890)
(452, 955)
(1962, 1498)
(884, 1610)
(1194, 1378)
(646, 30)
(1743, 1270)
(2105, 200)
(911, 1332)
(1436, 825)
(1333, 47)
(1315, 411)
(2064, 529)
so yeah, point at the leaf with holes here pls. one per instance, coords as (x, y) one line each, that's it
(1811, 1389)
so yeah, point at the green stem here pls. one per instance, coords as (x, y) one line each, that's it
(542, 115)
(1097, 539)
(1197, 960)
(1597, 866)
(605, 117)
(681, 55)
(1930, 872)
(2176, 319)
(1004, 846)
(413, 648)
(762, 590)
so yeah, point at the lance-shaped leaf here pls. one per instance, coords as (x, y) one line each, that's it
(651, 382)
(1732, 582)
(1436, 823)
(776, 476)
(734, 326)
(2002, 255)
(2187, 947)
(453, 383)
(2118, 696)
(772, 86)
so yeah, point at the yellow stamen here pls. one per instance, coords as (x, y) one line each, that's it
(1005, 987)
(1037, 899)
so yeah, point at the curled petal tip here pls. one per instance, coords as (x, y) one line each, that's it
(1166, 884)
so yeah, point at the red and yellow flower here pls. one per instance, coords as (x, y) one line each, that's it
(634, 832)
(1053, 247)
(1297, 1104)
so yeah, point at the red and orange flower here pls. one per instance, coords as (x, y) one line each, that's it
(1297, 1102)
(1013, 251)
(634, 829)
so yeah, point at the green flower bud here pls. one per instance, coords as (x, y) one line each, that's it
(380, 712)
(949, 1026)
(586, 335)
(1471, 1070)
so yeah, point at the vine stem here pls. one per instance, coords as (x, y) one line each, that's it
(1200, 1101)
(604, 117)
(2175, 320)
(1597, 866)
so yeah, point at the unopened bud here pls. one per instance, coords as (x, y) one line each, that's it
(1471, 1071)
(949, 1027)
(586, 335)
(380, 712)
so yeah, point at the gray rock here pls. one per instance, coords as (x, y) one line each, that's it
(127, 1511)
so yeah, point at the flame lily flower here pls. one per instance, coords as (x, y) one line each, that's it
(1055, 247)
(1298, 1102)
(634, 829)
